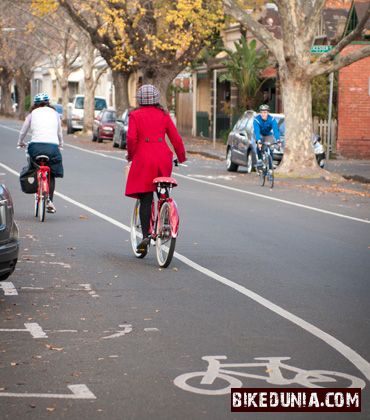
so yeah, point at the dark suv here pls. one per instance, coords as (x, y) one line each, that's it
(9, 243)
(239, 151)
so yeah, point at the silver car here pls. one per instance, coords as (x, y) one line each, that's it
(239, 150)
(9, 243)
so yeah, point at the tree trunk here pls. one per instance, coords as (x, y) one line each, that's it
(88, 68)
(299, 158)
(162, 80)
(120, 81)
(6, 99)
(23, 86)
(65, 99)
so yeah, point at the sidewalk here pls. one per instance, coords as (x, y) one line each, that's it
(353, 169)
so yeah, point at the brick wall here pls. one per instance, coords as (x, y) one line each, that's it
(354, 108)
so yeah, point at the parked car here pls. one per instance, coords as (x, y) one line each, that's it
(75, 112)
(103, 126)
(239, 151)
(9, 242)
(58, 109)
(120, 131)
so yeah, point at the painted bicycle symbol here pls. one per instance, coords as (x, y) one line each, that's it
(205, 382)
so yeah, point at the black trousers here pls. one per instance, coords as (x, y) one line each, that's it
(145, 211)
(51, 186)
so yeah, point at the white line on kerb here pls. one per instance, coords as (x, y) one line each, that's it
(226, 187)
(351, 355)
(8, 288)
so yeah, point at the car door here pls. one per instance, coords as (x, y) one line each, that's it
(241, 142)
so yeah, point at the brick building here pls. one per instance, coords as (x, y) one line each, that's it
(354, 95)
(354, 108)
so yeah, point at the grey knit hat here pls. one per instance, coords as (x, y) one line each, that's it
(148, 95)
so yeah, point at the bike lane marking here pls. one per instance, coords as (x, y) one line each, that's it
(32, 327)
(79, 392)
(8, 288)
(226, 187)
(356, 359)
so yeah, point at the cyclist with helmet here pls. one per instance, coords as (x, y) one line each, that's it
(46, 139)
(149, 153)
(265, 129)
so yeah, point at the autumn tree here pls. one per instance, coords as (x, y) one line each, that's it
(297, 68)
(157, 37)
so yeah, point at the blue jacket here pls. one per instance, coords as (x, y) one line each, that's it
(265, 128)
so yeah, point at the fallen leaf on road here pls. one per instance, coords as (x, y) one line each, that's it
(2, 389)
(50, 409)
(33, 405)
(83, 217)
(14, 364)
(51, 347)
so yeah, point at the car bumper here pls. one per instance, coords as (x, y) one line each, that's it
(77, 124)
(8, 256)
(105, 136)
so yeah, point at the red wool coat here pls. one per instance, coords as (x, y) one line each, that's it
(148, 150)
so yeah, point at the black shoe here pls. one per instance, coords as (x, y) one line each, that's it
(143, 245)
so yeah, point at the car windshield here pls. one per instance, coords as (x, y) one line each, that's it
(109, 116)
(281, 124)
(100, 104)
(79, 102)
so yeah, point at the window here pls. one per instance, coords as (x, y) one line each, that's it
(100, 104)
(109, 116)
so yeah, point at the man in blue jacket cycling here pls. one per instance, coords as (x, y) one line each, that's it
(265, 130)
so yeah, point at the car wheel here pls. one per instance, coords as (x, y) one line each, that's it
(114, 143)
(122, 143)
(230, 166)
(94, 138)
(249, 162)
(4, 276)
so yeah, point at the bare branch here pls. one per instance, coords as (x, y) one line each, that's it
(258, 30)
(98, 75)
(346, 40)
(316, 69)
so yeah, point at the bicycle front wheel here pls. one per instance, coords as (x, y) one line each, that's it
(262, 177)
(165, 246)
(136, 235)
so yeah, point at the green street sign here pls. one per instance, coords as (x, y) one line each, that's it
(320, 49)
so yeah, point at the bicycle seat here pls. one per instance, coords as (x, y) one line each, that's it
(42, 157)
(167, 181)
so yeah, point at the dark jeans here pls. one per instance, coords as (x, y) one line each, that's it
(145, 211)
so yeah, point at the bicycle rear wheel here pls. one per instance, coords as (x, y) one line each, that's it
(42, 206)
(136, 235)
(165, 242)
(36, 205)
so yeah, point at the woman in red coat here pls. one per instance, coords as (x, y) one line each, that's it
(149, 153)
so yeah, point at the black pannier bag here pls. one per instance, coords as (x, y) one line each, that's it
(28, 179)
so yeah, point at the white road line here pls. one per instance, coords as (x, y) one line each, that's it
(32, 327)
(8, 288)
(87, 287)
(226, 187)
(79, 392)
(35, 330)
(357, 360)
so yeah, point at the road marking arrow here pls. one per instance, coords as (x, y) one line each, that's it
(79, 392)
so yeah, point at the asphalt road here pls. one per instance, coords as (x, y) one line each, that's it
(259, 273)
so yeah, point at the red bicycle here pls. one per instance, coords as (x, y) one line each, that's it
(42, 194)
(164, 223)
